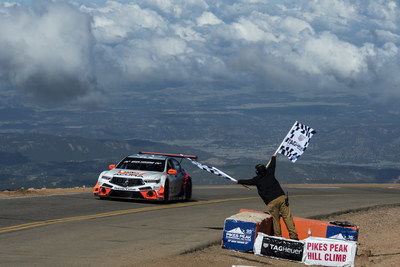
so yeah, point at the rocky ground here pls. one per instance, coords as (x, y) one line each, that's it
(378, 243)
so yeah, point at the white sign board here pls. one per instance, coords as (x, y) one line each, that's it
(329, 252)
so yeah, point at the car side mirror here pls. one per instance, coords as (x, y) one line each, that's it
(172, 172)
(111, 166)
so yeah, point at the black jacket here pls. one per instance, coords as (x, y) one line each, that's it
(267, 185)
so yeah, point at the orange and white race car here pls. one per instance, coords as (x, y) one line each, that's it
(146, 176)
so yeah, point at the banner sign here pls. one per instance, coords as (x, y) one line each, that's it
(278, 247)
(296, 141)
(329, 252)
(341, 233)
(212, 170)
(238, 235)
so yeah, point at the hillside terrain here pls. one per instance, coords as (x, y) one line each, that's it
(52, 146)
(38, 160)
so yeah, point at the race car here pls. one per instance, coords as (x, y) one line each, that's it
(146, 176)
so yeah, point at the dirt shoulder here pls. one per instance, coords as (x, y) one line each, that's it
(43, 191)
(378, 244)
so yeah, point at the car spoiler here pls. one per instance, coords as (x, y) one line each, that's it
(170, 155)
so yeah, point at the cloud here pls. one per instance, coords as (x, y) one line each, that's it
(293, 46)
(326, 54)
(46, 50)
(207, 18)
(116, 23)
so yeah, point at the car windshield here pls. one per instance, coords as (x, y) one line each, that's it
(156, 165)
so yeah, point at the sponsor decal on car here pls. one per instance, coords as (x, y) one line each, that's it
(125, 188)
(130, 173)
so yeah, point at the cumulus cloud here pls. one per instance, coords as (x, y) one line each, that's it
(208, 18)
(329, 45)
(326, 44)
(46, 50)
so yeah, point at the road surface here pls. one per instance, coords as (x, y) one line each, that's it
(80, 230)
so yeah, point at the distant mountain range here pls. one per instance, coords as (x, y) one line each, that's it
(37, 160)
(356, 140)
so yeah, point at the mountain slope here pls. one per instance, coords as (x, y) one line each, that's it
(35, 160)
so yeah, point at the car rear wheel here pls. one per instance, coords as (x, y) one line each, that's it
(166, 191)
(188, 190)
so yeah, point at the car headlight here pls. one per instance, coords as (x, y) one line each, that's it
(105, 177)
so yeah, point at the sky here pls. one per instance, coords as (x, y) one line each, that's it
(85, 52)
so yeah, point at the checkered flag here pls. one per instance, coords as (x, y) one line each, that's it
(212, 170)
(296, 141)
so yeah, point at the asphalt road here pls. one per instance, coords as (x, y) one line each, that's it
(80, 230)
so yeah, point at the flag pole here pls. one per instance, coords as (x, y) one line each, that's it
(213, 170)
(230, 178)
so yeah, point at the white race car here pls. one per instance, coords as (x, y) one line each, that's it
(146, 176)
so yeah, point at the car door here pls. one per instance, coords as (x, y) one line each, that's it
(175, 181)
